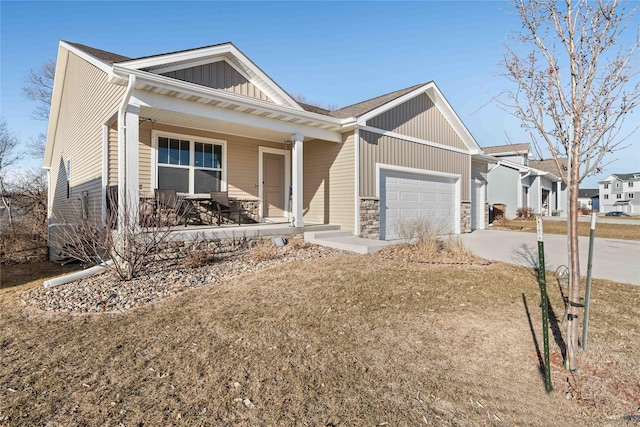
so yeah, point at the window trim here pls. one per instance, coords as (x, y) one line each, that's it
(155, 134)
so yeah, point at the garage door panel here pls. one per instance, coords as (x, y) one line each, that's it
(413, 196)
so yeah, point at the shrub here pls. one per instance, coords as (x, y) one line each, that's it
(199, 258)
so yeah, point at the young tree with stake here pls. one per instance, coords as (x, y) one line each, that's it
(574, 88)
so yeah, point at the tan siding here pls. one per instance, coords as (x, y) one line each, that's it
(113, 154)
(479, 170)
(342, 184)
(242, 158)
(87, 101)
(419, 118)
(376, 148)
(318, 158)
(219, 75)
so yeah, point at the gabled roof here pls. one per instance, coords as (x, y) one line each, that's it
(360, 108)
(508, 149)
(628, 176)
(103, 55)
(550, 166)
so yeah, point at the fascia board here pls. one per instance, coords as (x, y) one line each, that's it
(56, 99)
(443, 106)
(485, 158)
(154, 100)
(224, 96)
(222, 50)
(103, 66)
(519, 168)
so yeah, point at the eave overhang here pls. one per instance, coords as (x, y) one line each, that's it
(185, 91)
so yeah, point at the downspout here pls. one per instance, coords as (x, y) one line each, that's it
(121, 199)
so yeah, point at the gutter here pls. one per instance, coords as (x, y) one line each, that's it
(63, 280)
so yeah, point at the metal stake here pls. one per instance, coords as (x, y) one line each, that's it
(585, 322)
(542, 281)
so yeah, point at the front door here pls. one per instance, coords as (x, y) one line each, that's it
(273, 185)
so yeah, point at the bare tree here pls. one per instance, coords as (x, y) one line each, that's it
(8, 156)
(125, 249)
(574, 87)
(39, 88)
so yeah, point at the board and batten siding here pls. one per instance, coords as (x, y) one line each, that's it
(419, 118)
(219, 75)
(242, 158)
(375, 148)
(88, 101)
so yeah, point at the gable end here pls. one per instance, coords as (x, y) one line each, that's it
(420, 118)
(219, 75)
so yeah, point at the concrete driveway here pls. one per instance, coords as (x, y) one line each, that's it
(613, 259)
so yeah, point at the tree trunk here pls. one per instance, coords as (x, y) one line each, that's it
(574, 286)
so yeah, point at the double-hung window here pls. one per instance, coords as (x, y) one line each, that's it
(190, 165)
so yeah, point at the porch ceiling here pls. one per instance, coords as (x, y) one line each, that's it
(191, 121)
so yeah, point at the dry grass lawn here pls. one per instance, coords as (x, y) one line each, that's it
(605, 230)
(342, 341)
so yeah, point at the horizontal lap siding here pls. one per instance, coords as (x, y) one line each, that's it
(376, 148)
(479, 170)
(242, 158)
(419, 118)
(87, 102)
(219, 75)
(318, 158)
(342, 183)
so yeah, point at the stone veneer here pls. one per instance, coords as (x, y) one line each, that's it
(370, 218)
(251, 208)
(465, 217)
(180, 249)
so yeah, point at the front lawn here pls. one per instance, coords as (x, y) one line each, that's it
(345, 340)
(606, 230)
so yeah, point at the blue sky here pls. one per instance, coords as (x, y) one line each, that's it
(333, 53)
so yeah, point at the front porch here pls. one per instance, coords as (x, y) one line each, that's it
(193, 233)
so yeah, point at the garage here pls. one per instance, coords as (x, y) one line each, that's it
(407, 196)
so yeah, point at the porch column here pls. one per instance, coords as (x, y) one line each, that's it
(297, 194)
(128, 164)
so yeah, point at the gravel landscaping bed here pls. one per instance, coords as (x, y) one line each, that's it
(105, 293)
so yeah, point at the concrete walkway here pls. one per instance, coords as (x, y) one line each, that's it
(346, 241)
(613, 259)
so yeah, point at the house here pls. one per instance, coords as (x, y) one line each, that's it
(516, 181)
(620, 192)
(209, 119)
(589, 198)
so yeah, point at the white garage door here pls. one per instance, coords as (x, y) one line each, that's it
(405, 196)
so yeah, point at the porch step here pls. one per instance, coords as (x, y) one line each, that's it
(344, 240)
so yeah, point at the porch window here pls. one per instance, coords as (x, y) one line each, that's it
(189, 166)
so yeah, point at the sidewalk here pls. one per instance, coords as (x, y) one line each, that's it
(613, 259)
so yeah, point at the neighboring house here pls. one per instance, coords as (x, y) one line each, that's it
(209, 119)
(620, 192)
(589, 198)
(515, 181)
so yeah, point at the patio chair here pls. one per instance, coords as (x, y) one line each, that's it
(172, 210)
(222, 206)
